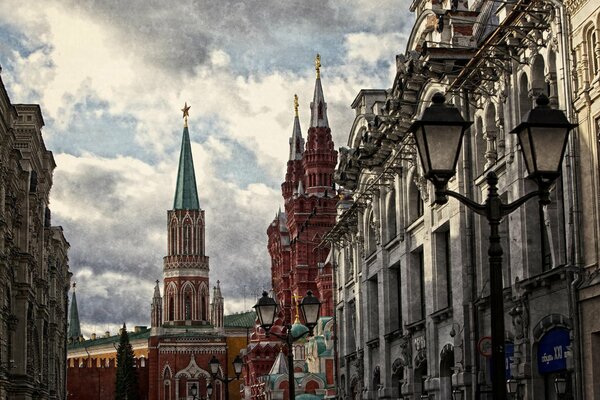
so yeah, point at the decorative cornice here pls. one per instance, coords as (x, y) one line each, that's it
(573, 6)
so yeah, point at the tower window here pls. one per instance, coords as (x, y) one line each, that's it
(187, 238)
(188, 307)
(171, 308)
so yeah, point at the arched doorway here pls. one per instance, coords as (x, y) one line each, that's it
(446, 371)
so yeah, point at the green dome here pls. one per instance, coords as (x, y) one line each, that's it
(298, 329)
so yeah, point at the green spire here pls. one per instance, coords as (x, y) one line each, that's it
(74, 327)
(186, 193)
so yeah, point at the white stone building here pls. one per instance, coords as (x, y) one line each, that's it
(413, 312)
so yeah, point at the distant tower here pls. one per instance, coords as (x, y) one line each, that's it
(156, 313)
(186, 294)
(297, 264)
(74, 333)
(217, 307)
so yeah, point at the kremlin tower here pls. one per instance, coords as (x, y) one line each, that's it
(187, 329)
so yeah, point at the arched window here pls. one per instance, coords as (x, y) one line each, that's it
(524, 100)
(171, 308)
(188, 306)
(391, 215)
(538, 83)
(372, 242)
(187, 237)
(591, 50)
(173, 237)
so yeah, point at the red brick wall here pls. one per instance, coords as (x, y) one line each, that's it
(93, 382)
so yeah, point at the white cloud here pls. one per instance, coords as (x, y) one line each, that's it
(372, 48)
(76, 62)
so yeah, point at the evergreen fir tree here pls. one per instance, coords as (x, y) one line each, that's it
(127, 382)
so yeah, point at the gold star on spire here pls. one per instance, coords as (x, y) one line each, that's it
(186, 114)
(318, 65)
(296, 104)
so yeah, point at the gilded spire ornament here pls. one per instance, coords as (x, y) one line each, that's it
(318, 65)
(297, 300)
(186, 114)
(296, 104)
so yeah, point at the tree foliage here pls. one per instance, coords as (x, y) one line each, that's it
(127, 382)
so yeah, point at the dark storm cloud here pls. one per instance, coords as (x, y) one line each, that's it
(259, 35)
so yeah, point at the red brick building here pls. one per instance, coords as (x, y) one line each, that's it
(298, 264)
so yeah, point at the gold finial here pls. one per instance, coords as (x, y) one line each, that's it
(186, 114)
(318, 65)
(297, 302)
(74, 285)
(296, 104)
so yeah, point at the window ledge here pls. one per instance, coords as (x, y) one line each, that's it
(442, 315)
(415, 224)
(416, 326)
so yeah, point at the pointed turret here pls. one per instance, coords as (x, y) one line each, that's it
(280, 366)
(318, 107)
(217, 308)
(186, 192)
(294, 165)
(156, 312)
(74, 326)
(319, 158)
(296, 141)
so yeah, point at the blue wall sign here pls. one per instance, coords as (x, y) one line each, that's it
(552, 351)
(509, 353)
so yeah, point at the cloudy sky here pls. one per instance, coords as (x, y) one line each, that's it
(111, 77)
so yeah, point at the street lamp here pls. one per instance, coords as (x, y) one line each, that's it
(457, 394)
(560, 386)
(542, 136)
(214, 371)
(194, 391)
(266, 310)
(512, 387)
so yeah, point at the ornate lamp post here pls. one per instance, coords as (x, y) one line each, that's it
(542, 136)
(214, 371)
(266, 310)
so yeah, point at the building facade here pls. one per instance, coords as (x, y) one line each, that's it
(187, 328)
(34, 268)
(584, 18)
(298, 263)
(412, 293)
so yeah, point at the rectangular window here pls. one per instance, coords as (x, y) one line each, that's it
(421, 278)
(373, 307)
(448, 268)
(395, 299)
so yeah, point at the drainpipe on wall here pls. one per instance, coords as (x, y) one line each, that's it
(470, 245)
(574, 279)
